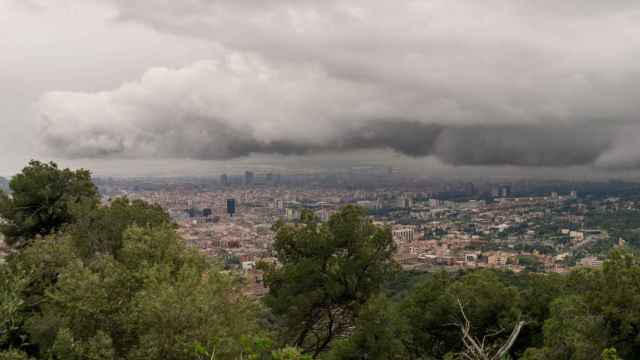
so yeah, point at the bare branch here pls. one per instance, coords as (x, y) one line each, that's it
(512, 339)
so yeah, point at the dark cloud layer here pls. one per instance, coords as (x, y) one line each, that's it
(460, 145)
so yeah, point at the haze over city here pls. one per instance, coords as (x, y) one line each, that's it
(497, 88)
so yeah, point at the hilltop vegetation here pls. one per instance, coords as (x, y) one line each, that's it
(114, 281)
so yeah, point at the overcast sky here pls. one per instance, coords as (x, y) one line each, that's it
(446, 86)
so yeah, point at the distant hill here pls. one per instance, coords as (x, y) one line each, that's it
(4, 184)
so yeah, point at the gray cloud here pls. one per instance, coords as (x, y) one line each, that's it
(523, 145)
(470, 83)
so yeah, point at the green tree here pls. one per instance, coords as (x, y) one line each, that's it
(434, 317)
(610, 354)
(572, 332)
(13, 354)
(289, 353)
(12, 305)
(40, 202)
(328, 272)
(155, 301)
(598, 309)
(100, 230)
(379, 334)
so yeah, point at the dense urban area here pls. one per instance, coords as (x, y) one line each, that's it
(539, 226)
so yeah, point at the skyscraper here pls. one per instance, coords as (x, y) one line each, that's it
(231, 206)
(248, 177)
(224, 180)
(505, 191)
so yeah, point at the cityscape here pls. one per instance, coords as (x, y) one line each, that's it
(533, 226)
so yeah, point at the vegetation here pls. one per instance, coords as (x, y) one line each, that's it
(41, 200)
(327, 273)
(114, 281)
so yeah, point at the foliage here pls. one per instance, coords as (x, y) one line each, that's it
(378, 335)
(99, 230)
(433, 313)
(623, 224)
(599, 309)
(13, 354)
(289, 353)
(12, 284)
(328, 272)
(610, 354)
(153, 302)
(41, 198)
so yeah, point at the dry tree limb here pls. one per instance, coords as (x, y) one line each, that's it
(479, 350)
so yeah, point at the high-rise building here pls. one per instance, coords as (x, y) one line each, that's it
(248, 177)
(469, 189)
(224, 180)
(379, 204)
(279, 204)
(406, 202)
(505, 190)
(231, 206)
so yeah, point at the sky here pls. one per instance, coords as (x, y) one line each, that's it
(197, 87)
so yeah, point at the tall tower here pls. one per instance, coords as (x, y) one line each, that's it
(231, 206)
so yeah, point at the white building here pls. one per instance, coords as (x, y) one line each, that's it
(403, 235)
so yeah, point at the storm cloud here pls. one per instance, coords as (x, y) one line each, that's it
(469, 83)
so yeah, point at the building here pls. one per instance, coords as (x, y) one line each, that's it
(248, 177)
(279, 204)
(505, 191)
(324, 214)
(591, 262)
(293, 214)
(406, 202)
(231, 206)
(403, 235)
(224, 180)
(469, 189)
(576, 236)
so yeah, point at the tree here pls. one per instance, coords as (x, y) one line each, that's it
(40, 202)
(100, 230)
(379, 334)
(571, 332)
(434, 317)
(598, 309)
(157, 300)
(12, 284)
(485, 348)
(327, 273)
(13, 354)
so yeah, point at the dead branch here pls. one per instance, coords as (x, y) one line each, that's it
(479, 350)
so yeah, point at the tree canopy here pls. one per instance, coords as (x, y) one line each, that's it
(41, 199)
(327, 272)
